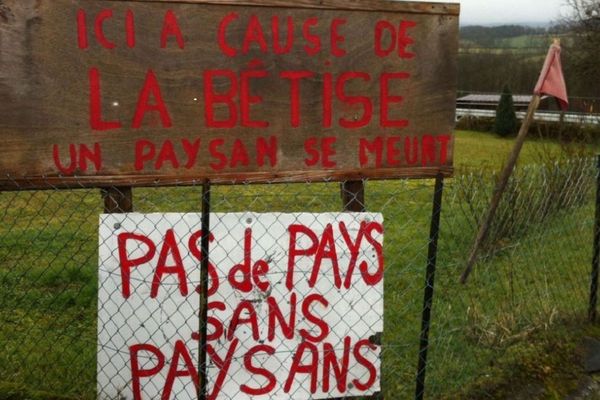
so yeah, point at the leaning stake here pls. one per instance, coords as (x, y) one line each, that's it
(551, 82)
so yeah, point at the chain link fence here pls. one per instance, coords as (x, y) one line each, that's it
(533, 273)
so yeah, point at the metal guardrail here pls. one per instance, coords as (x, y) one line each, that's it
(577, 118)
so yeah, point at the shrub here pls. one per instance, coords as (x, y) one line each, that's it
(480, 124)
(506, 118)
(561, 131)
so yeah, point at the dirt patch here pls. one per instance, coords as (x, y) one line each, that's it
(548, 364)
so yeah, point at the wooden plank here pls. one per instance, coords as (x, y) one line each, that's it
(141, 113)
(361, 5)
(52, 183)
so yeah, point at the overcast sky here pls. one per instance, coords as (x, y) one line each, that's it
(505, 11)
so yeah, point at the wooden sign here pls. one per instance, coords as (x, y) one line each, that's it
(99, 92)
(293, 302)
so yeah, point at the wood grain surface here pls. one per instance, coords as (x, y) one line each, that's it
(156, 64)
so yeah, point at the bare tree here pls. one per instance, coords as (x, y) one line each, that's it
(584, 53)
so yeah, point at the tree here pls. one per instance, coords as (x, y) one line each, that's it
(506, 118)
(583, 55)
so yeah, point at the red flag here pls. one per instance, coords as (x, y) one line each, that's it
(552, 81)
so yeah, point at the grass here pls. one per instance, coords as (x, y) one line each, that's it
(48, 264)
(520, 293)
(548, 365)
(476, 150)
(524, 44)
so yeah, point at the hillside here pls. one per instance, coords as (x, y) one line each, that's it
(491, 57)
(510, 36)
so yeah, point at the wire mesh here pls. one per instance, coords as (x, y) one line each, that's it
(533, 273)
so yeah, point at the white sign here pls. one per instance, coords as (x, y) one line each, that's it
(293, 302)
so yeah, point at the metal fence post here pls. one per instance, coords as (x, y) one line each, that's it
(429, 282)
(596, 257)
(204, 245)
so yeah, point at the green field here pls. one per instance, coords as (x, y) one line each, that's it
(518, 44)
(536, 279)
(475, 150)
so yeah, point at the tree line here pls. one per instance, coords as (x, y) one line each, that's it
(487, 69)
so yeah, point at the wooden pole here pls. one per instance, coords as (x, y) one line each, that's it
(500, 187)
(117, 200)
(353, 196)
(353, 200)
